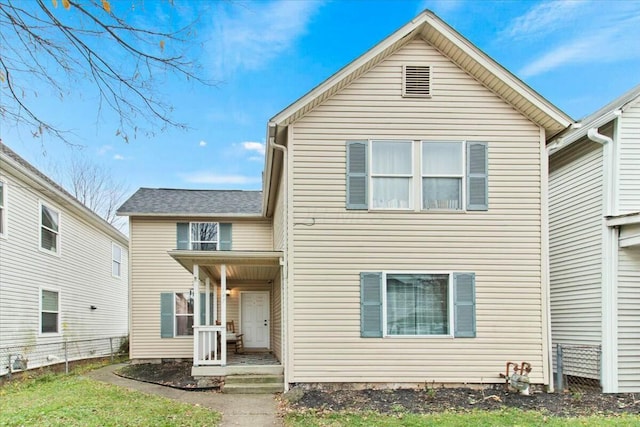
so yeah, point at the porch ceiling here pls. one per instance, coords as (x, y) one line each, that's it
(241, 265)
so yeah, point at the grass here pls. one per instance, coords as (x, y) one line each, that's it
(73, 400)
(507, 417)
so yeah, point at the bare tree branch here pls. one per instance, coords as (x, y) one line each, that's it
(90, 41)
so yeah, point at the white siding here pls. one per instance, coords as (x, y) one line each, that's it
(153, 271)
(575, 227)
(629, 320)
(629, 166)
(332, 245)
(81, 274)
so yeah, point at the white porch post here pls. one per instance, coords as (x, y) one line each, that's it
(196, 314)
(223, 312)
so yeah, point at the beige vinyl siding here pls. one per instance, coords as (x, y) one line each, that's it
(629, 320)
(276, 317)
(332, 245)
(575, 228)
(153, 271)
(81, 274)
(278, 218)
(629, 163)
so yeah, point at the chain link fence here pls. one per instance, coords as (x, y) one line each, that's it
(577, 367)
(25, 357)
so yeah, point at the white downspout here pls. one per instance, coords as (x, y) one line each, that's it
(285, 273)
(609, 327)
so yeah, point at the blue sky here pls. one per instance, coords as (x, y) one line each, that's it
(578, 54)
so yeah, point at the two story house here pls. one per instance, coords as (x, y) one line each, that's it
(63, 273)
(399, 237)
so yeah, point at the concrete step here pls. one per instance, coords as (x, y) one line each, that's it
(254, 379)
(253, 388)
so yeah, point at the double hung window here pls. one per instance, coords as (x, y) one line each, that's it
(183, 314)
(204, 236)
(49, 312)
(49, 229)
(116, 260)
(3, 209)
(392, 174)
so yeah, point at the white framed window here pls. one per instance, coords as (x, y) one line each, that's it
(417, 304)
(392, 174)
(204, 236)
(3, 208)
(442, 166)
(49, 311)
(49, 229)
(116, 260)
(183, 309)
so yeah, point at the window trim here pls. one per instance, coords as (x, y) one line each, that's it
(204, 241)
(175, 315)
(40, 311)
(416, 184)
(4, 211)
(450, 304)
(373, 175)
(58, 233)
(463, 176)
(114, 261)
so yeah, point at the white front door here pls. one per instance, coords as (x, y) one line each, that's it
(254, 318)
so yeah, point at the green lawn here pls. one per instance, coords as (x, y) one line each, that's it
(73, 400)
(510, 417)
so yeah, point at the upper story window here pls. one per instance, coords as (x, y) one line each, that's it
(3, 208)
(204, 236)
(49, 311)
(49, 229)
(116, 260)
(417, 175)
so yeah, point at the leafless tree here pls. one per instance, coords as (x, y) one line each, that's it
(65, 42)
(93, 185)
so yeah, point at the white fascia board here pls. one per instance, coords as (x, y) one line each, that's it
(616, 221)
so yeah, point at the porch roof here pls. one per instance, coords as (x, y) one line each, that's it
(241, 265)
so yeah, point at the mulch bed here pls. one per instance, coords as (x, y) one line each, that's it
(463, 399)
(170, 374)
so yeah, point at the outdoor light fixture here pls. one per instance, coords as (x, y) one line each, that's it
(228, 291)
(93, 307)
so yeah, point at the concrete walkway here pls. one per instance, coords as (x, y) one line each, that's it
(258, 410)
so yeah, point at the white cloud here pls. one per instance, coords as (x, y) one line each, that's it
(544, 18)
(202, 143)
(251, 34)
(258, 147)
(104, 150)
(212, 178)
(600, 35)
(118, 157)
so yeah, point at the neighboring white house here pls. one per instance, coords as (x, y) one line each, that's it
(595, 241)
(63, 272)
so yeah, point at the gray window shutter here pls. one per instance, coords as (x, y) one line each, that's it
(357, 194)
(464, 302)
(477, 177)
(370, 305)
(166, 314)
(203, 308)
(183, 235)
(225, 237)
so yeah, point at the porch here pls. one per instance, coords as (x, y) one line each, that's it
(242, 290)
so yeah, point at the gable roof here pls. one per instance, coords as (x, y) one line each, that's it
(180, 202)
(428, 27)
(594, 120)
(12, 162)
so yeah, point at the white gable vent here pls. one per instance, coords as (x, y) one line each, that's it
(416, 81)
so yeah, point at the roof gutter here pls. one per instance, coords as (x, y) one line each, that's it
(580, 131)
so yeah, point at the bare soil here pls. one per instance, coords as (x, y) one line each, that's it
(422, 400)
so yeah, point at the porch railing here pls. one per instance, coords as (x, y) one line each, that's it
(209, 345)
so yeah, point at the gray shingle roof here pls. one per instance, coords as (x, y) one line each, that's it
(166, 201)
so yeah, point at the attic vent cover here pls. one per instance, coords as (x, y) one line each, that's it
(417, 81)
